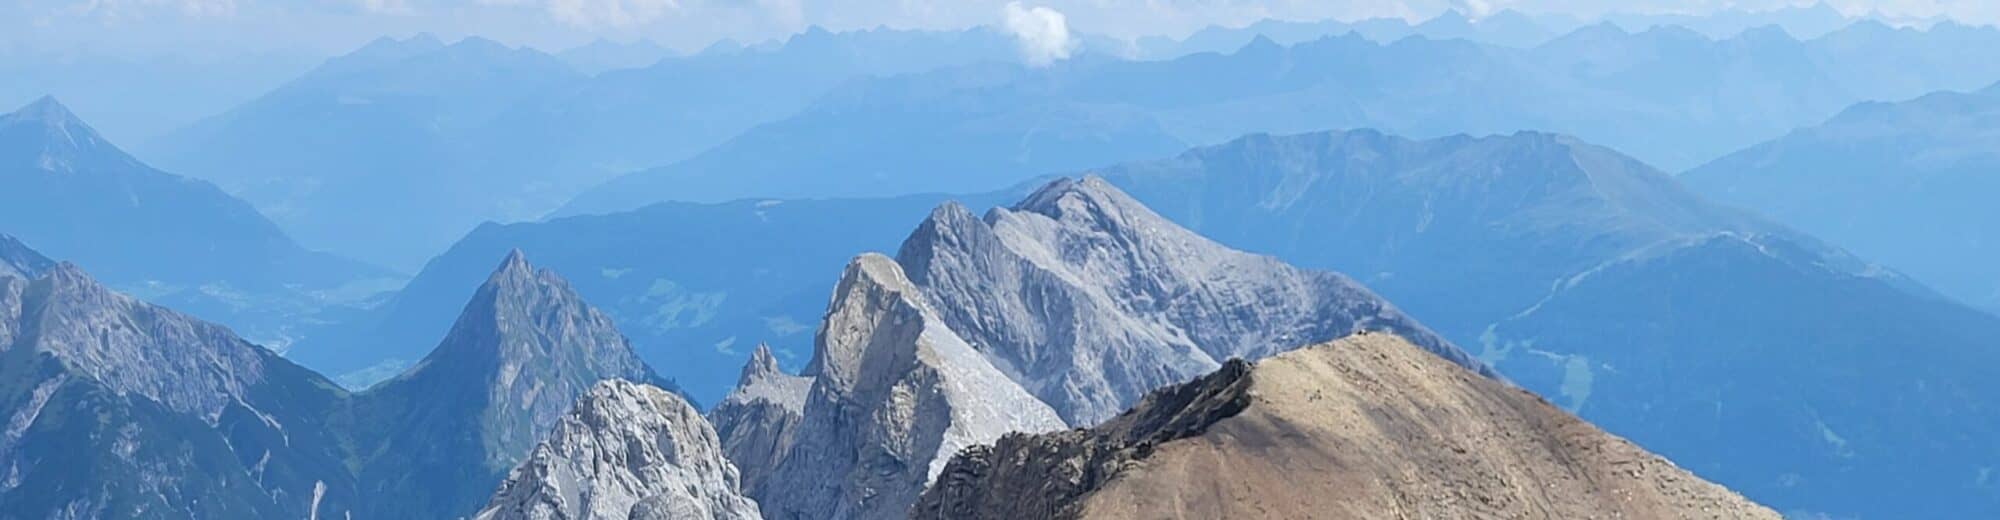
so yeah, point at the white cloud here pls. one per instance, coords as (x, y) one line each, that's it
(1042, 33)
(1474, 9)
(609, 13)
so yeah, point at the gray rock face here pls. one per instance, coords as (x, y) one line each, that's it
(526, 347)
(1090, 300)
(624, 445)
(757, 421)
(895, 393)
(114, 408)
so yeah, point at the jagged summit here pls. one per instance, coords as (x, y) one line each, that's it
(761, 363)
(762, 380)
(894, 394)
(625, 450)
(1089, 299)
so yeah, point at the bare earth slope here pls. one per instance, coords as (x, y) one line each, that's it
(1364, 427)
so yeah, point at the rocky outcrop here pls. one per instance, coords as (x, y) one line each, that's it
(451, 427)
(895, 393)
(758, 419)
(1090, 300)
(624, 445)
(1364, 427)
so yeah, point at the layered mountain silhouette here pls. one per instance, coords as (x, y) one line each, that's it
(434, 138)
(68, 192)
(952, 131)
(1368, 426)
(1907, 184)
(367, 153)
(1670, 96)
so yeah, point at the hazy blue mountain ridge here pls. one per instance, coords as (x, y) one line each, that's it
(1908, 184)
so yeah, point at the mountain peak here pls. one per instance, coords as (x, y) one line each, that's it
(523, 350)
(46, 108)
(762, 364)
(514, 265)
(49, 113)
(20, 261)
(48, 136)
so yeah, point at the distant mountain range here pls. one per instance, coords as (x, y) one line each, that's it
(67, 191)
(520, 131)
(1668, 95)
(367, 153)
(1909, 184)
(435, 138)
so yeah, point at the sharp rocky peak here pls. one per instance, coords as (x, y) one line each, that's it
(524, 349)
(893, 394)
(761, 365)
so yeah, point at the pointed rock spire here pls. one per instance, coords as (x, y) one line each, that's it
(761, 365)
(895, 394)
(520, 354)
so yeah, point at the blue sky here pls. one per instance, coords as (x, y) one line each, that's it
(333, 25)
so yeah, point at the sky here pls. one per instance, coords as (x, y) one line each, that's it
(332, 26)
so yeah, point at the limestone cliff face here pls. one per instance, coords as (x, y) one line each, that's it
(1090, 300)
(758, 419)
(894, 394)
(625, 451)
(1364, 427)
